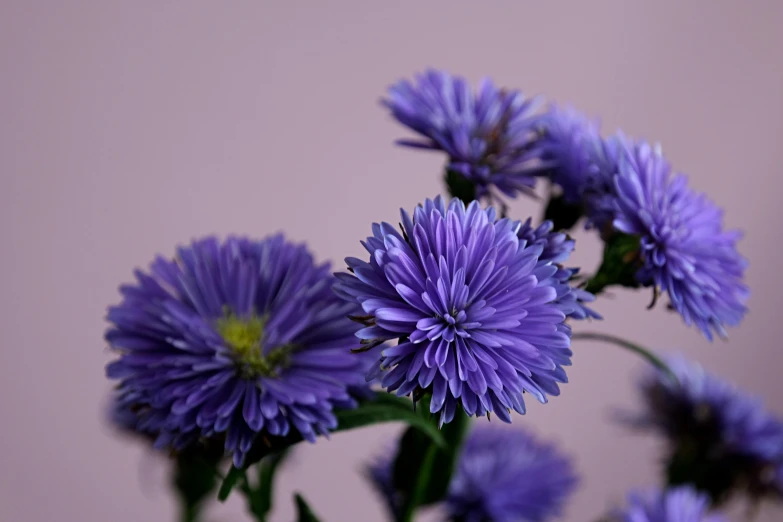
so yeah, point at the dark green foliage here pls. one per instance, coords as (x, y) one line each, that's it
(422, 470)
(620, 264)
(303, 511)
(564, 215)
(194, 478)
(382, 407)
(460, 187)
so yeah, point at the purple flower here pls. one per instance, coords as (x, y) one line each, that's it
(476, 315)
(380, 473)
(599, 191)
(684, 248)
(569, 141)
(122, 416)
(489, 135)
(557, 247)
(507, 475)
(683, 504)
(720, 438)
(233, 339)
(583, 164)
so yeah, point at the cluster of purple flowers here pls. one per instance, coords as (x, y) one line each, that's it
(239, 341)
(620, 185)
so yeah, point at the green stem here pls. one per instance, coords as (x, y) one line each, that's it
(460, 187)
(189, 512)
(628, 345)
(421, 484)
(194, 479)
(252, 498)
(596, 284)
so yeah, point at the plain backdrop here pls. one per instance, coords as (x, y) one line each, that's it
(129, 127)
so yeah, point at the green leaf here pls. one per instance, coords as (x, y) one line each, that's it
(381, 407)
(564, 215)
(264, 495)
(620, 264)
(421, 483)
(645, 353)
(260, 499)
(233, 476)
(386, 407)
(194, 478)
(460, 187)
(303, 511)
(694, 463)
(445, 461)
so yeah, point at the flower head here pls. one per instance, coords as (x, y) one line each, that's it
(557, 247)
(683, 504)
(720, 439)
(489, 135)
(684, 249)
(476, 315)
(583, 163)
(232, 339)
(569, 142)
(508, 475)
(599, 192)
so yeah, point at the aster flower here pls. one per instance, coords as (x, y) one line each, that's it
(462, 293)
(380, 473)
(683, 504)
(583, 163)
(557, 247)
(489, 135)
(599, 192)
(231, 340)
(720, 439)
(569, 141)
(508, 475)
(684, 249)
(122, 416)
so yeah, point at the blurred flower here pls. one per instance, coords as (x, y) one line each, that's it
(122, 416)
(599, 191)
(489, 135)
(677, 505)
(231, 340)
(507, 475)
(557, 248)
(380, 473)
(459, 290)
(720, 439)
(583, 163)
(569, 141)
(684, 249)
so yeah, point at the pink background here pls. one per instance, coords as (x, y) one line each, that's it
(125, 129)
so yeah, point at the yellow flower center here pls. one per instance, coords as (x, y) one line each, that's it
(244, 336)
